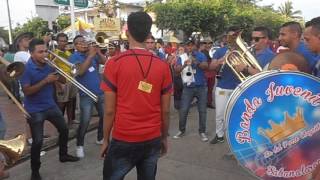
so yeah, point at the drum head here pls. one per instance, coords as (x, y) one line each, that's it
(273, 125)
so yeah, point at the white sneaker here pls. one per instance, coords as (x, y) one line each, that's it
(203, 137)
(29, 141)
(99, 142)
(80, 152)
(42, 153)
(178, 135)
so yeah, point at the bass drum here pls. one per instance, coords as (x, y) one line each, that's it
(273, 125)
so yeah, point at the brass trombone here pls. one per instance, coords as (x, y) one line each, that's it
(66, 66)
(13, 70)
(69, 77)
(240, 54)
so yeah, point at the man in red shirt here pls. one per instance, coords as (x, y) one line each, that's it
(137, 87)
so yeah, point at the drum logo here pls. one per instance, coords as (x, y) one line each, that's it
(289, 126)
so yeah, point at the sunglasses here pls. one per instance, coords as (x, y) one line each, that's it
(257, 39)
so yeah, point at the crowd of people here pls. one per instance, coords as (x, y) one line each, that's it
(134, 90)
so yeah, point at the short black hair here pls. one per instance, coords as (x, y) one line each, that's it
(160, 41)
(315, 24)
(139, 25)
(264, 30)
(151, 37)
(62, 35)
(34, 43)
(294, 26)
(75, 38)
(233, 29)
(46, 31)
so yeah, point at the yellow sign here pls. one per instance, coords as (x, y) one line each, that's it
(106, 24)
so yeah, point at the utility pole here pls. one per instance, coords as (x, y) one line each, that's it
(10, 27)
(72, 18)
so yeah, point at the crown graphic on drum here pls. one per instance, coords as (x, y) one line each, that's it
(289, 126)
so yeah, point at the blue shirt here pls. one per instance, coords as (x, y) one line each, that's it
(43, 99)
(91, 78)
(307, 54)
(199, 77)
(265, 57)
(316, 70)
(227, 80)
(161, 55)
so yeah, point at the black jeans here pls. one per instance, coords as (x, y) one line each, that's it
(123, 156)
(54, 115)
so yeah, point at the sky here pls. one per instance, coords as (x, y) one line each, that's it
(22, 10)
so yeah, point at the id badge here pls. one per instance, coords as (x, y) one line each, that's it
(91, 69)
(145, 87)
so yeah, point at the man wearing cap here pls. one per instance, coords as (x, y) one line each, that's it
(21, 45)
(88, 57)
(191, 66)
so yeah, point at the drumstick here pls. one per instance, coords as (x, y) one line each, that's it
(15, 100)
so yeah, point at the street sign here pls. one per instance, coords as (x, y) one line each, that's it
(78, 3)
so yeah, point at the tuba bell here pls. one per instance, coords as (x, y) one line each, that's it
(13, 148)
(240, 54)
(102, 40)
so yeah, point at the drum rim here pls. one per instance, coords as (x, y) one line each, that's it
(244, 85)
(250, 83)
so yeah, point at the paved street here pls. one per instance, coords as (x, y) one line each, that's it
(188, 159)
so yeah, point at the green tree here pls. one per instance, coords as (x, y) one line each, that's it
(63, 21)
(35, 25)
(4, 34)
(287, 11)
(215, 16)
(192, 16)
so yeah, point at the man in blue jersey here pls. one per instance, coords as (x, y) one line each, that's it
(37, 84)
(88, 58)
(312, 39)
(290, 37)
(228, 80)
(191, 66)
(260, 38)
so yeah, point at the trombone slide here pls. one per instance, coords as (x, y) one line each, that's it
(72, 80)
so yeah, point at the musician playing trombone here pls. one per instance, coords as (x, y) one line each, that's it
(37, 85)
(88, 57)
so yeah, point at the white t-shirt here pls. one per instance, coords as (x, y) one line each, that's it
(22, 56)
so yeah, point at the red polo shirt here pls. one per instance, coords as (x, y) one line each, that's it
(138, 113)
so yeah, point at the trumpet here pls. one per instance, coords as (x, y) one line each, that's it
(71, 79)
(13, 70)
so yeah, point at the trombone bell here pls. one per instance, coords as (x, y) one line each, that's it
(13, 148)
(14, 69)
